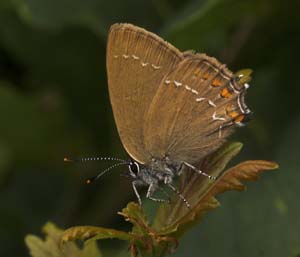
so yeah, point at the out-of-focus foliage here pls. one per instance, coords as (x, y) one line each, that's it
(54, 101)
(51, 246)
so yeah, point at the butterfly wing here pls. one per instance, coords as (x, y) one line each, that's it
(195, 108)
(137, 60)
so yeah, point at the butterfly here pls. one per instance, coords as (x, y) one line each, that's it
(171, 108)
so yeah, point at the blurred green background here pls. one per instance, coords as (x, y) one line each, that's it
(54, 102)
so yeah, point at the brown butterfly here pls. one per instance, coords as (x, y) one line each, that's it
(171, 108)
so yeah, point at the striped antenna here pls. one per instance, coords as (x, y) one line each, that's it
(92, 179)
(87, 159)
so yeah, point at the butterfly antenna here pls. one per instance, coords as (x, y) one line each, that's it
(87, 159)
(92, 179)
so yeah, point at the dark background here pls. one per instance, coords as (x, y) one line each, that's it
(54, 102)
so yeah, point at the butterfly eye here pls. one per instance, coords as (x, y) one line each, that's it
(134, 168)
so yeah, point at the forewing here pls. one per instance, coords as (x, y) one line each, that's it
(137, 60)
(194, 110)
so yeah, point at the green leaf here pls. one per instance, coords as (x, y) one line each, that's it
(155, 244)
(140, 235)
(174, 220)
(91, 233)
(194, 186)
(51, 247)
(142, 238)
(134, 214)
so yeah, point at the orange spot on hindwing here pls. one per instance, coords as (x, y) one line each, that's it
(233, 114)
(239, 118)
(236, 116)
(225, 93)
(216, 83)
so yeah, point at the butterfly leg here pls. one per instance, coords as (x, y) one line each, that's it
(180, 195)
(134, 184)
(198, 171)
(150, 191)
